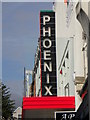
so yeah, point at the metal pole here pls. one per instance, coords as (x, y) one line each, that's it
(89, 60)
(89, 73)
(89, 67)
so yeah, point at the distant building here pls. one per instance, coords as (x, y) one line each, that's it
(17, 114)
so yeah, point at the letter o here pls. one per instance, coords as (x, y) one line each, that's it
(44, 43)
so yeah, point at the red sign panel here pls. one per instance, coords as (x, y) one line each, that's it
(49, 103)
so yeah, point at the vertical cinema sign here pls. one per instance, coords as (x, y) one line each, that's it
(48, 53)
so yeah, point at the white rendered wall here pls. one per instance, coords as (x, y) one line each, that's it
(62, 37)
(64, 31)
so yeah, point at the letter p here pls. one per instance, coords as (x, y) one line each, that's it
(46, 19)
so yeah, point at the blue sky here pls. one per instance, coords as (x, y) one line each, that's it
(20, 32)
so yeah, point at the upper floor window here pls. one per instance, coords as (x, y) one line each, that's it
(67, 89)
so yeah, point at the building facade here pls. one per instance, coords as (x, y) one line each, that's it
(71, 34)
(71, 39)
(36, 80)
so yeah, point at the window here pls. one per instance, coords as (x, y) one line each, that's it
(67, 89)
(68, 1)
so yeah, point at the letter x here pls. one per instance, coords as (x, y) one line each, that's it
(48, 90)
